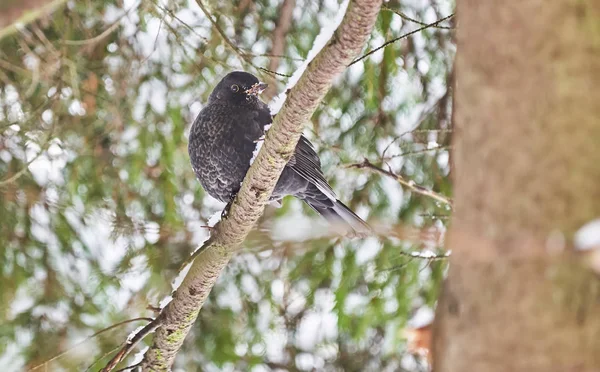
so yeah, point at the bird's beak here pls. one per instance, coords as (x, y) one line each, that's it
(257, 89)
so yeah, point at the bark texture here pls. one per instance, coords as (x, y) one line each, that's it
(177, 318)
(527, 176)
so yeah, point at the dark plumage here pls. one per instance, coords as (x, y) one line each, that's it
(223, 139)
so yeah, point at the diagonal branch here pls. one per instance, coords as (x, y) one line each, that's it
(408, 184)
(179, 315)
(62, 353)
(430, 25)
(407, 18)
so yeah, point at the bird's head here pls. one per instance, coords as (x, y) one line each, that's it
(238, 88)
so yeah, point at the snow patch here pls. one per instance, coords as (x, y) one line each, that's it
(165, 301)
(179, 279)
(139, 356)
(216, 217)
(256, 150)
(132, 334)
(422, 317)
(427, 254)
(588, 236)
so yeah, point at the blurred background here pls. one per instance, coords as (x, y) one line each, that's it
(99, 206)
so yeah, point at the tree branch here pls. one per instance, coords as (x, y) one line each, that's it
(408, 184)
(227, 236)
(430, 25)
(45, 363)
(407, 18)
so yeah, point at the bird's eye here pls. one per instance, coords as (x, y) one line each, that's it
(235, 88)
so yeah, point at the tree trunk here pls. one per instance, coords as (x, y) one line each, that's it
(527, 176)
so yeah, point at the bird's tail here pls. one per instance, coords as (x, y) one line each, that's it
(338, 214)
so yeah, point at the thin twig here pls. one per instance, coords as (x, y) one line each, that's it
(129, 367)
(269, 55)
(100, 358)
(243, 55)
(413, 131)
(423, 256)
(414, 152)
(430, 25)
(130, 344)
(407, 18)
(190, 28)
(22, 171)
(155, 41)
(408, 184)
(418, 255)
(89, 338)
(102, 35)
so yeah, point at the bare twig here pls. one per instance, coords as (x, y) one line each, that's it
(280, 56)
(182, 22)
(414, 152)
(430, 25)
(128, 368)
(97, 38)
(414, 131)
(242, 54)
(414, 255)
(100, 358)
(408, 184)
(21, 172)
(132, 343)
(104, 33)
(407, 18)
(45, 363)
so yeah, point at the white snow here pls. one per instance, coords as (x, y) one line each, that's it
(259, 144)
(135, 332)
(588, 236)
(137, 357)
(422, 317)
(165, 301)
(216, 217)
(179, 279)
(256, 150)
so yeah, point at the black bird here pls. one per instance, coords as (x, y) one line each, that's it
(222, 141)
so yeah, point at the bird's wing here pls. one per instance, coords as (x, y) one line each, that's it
(306, 163)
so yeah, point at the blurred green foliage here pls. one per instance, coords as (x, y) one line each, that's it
(99, 206)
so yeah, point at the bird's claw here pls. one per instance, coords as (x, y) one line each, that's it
(227, 208)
